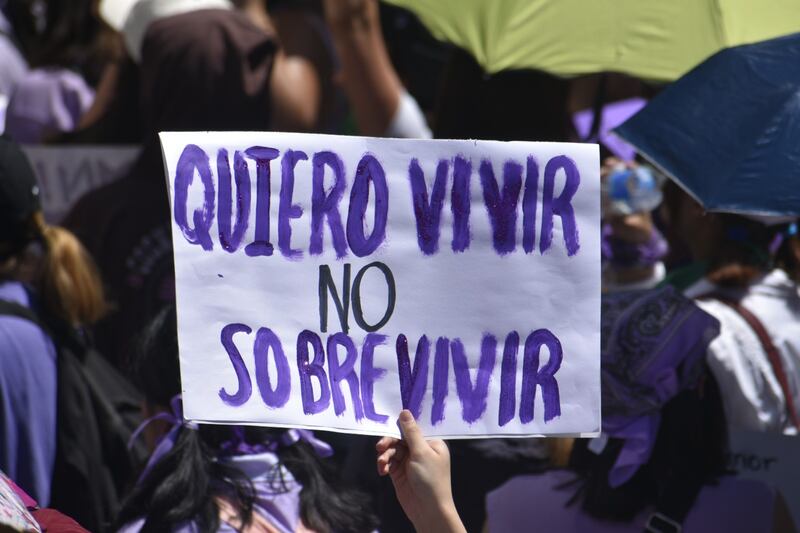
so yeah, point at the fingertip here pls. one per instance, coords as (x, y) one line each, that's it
(410, 431)
(385, 443)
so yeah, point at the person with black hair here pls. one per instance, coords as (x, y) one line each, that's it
(744, 270)
(208, 478)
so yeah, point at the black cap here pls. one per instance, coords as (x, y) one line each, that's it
(19, 199)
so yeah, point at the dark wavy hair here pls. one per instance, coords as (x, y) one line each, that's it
(690, 451)
(183, 485)
(76, 37)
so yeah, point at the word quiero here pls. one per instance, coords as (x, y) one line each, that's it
(369, 192)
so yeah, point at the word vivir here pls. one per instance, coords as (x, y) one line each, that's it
(503, 199)
(322, 368)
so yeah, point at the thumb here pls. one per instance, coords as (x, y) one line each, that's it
(411, 432)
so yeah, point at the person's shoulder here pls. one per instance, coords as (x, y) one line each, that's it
(17, 333)
(96, 212)
(733, 504)
(14, 292)
(549, 482)
(775, 291)
(48, 88)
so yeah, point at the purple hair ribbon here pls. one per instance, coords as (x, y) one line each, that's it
(165, 444)
(239, 446)
(790, 231)
(235, 446)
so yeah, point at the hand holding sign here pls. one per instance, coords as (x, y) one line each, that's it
(325, 282)
(420, 472)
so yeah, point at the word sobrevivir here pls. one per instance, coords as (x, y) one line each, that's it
(369, 189)
(333, 363)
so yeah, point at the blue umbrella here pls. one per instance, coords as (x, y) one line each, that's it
(728, 132)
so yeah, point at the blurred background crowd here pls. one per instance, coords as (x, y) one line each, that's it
(700, 255)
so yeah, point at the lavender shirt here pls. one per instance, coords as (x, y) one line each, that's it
(734, 506)
(45, 102)
(27, 400)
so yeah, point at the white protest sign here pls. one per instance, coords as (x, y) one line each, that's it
(65, 173)
(327, 282)
(771, 458)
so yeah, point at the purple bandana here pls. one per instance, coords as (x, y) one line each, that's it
(625, 254)
(654, 347)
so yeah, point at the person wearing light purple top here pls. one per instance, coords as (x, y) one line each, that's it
(27, 356)
(27, 399)
(54, 268)
(45, 103)
(68, 51)
(734, 505)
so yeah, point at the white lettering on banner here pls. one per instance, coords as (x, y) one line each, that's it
(328, 282)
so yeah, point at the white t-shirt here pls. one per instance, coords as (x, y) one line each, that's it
(751, 394)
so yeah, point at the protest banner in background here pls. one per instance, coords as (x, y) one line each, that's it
(771, 458)
(65, 173)
(327, 282)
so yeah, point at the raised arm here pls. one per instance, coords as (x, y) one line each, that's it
(368, 77)
(420, 472)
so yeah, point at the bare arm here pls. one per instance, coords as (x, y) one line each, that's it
(368, 77)
(295, 85)
(420, 472)
(294, 94)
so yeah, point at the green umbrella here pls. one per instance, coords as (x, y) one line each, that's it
(657, 40)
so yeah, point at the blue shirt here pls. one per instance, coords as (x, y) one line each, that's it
(27, 399)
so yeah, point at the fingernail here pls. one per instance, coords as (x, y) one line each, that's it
(406, 416)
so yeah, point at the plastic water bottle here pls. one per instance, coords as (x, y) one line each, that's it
(631, 190)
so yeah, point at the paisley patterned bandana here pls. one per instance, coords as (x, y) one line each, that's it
(654, 346)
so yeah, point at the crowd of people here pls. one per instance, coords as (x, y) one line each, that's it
(700, 310)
